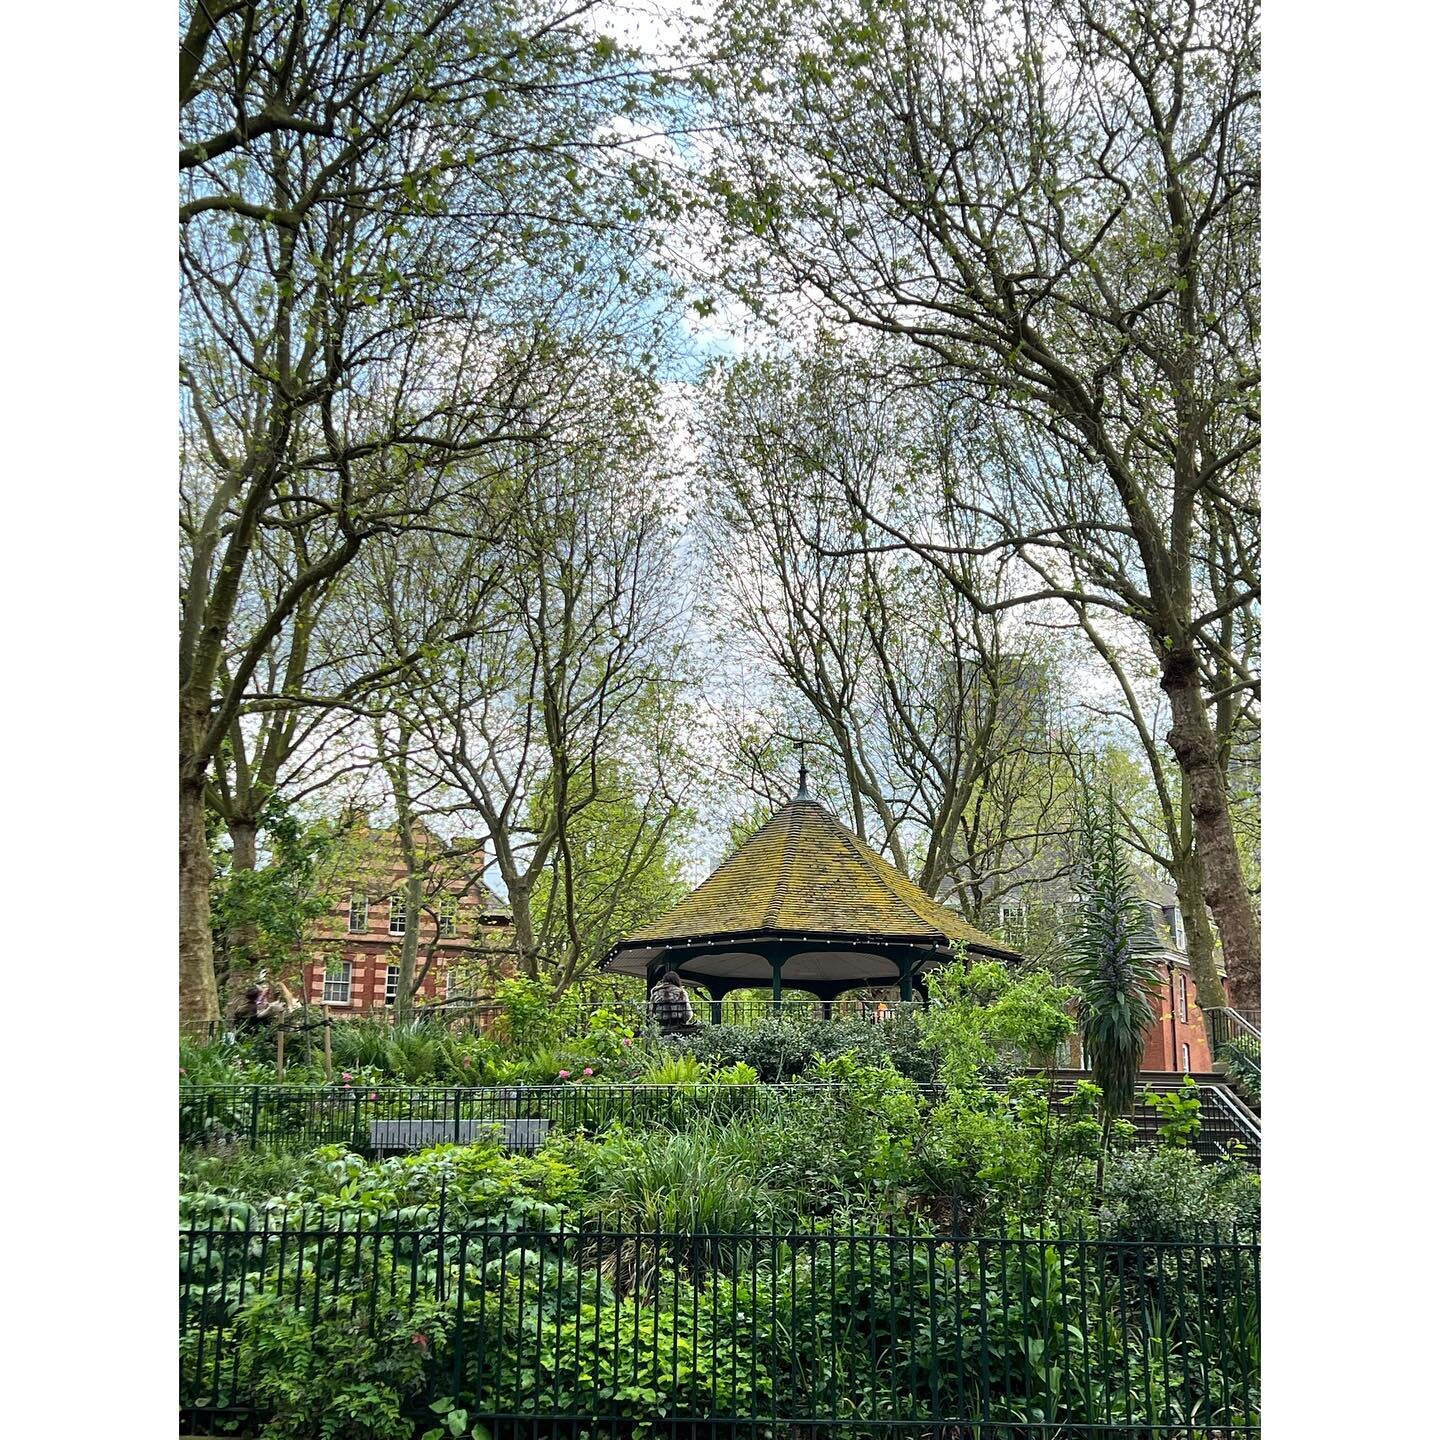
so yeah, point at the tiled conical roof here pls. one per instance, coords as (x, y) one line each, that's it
(804, 873)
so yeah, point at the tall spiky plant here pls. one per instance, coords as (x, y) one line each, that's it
(1111, 956)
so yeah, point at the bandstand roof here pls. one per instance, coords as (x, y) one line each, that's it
(802, 877)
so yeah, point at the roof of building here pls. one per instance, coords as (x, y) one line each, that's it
(803, 873)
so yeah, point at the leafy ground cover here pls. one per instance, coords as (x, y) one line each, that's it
(867, 1250)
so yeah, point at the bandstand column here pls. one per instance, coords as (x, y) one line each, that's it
(907, 988)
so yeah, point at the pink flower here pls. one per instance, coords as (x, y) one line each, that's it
(373, 1095)
(346, 1075)
(344, 1087)
(418, 1339)
(588, 1070)
(465, 1062)
(564, 1074)
(627, 1041)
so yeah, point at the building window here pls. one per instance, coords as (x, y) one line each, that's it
(397, 914)
(392, 983)
(449, 982)
(1184, 1001)
(446, 912)
(359, 913)
(1179, 929)
(1067, 916)
(337, 983)
(1185, 1058)
(1014, 923)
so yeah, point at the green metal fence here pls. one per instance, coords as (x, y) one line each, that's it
(366, 1118)
(586, 1330)
(300, 1117)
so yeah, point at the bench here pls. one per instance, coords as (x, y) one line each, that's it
(393, 1135)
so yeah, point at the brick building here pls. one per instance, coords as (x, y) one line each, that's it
(1178, 1040)
(463, 945)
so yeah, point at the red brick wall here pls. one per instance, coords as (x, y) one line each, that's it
(1164, 1045)
(368, 967)
(373, 949)
(1179, 1021)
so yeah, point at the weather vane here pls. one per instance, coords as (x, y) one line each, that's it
(804, 793)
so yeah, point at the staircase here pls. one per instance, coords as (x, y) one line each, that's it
(1226, 1117)
(1235, 1049)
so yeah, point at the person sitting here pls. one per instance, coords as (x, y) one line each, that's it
(275, 1008)
(670, 1005)
(247, 1013)
(261, 1010)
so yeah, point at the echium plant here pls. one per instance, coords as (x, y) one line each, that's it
(1111, 958)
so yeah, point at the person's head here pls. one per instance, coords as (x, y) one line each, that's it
(669, 978)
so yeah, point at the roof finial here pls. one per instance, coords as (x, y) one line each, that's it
(802, 793)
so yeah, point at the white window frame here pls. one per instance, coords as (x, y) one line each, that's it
(359, 905)
(338, 983)
(392, 983)
(447, 916)
(398, 912)
(1020, 922)
(1184, 999)
(1179, 931)
(1185, 1059)
(449, 982)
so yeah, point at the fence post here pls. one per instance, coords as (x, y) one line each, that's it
(254, 1115)
(329, 1068)
(440, 1247)
(457, 1139)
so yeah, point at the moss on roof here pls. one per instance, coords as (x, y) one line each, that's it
(804, 873)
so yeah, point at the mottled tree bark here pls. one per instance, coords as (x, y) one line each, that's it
(1199, 933)
(1192, 738)
(410, 944)
(199, 998)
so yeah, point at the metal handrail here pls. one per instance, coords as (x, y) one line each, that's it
(1241, 1116)
(1239, 1017)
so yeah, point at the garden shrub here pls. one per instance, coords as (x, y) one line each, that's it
(775, 1048)
(1178, 1112)
(780, 1048)
(1167, 1193)
(989, 1022)
(347, 1376)
(710, 1177)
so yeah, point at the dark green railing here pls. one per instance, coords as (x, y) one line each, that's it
(1235, 1044)
(300, 1117)
(479, 1016)
(582, 1329)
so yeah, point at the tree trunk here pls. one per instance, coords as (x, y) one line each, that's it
(1199, 933)
(409, 945)
(199, 999)
(243, 833)
(241, 941)
(1192, 738)
(527, 949)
